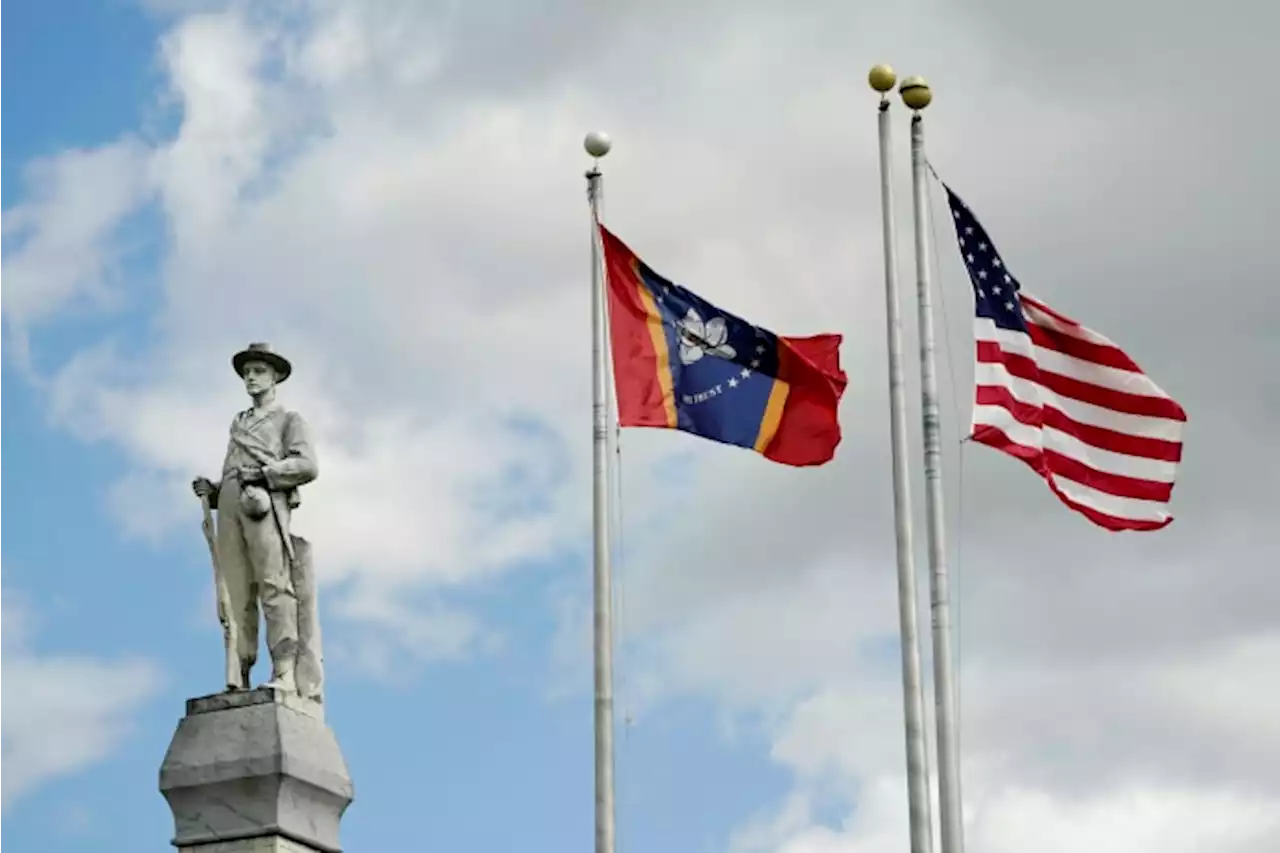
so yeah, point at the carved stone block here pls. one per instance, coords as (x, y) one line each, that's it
(256, 766)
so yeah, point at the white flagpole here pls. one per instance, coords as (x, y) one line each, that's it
(597, 145)
(917, 95)
(919, 810)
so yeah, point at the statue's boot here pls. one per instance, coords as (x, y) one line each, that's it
(284, 682)
(282, 676)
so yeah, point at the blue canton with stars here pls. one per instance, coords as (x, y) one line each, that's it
(995, 290)
(722, 367)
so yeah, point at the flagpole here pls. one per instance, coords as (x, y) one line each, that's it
(597, 145)
(917, 95)
(919, 810)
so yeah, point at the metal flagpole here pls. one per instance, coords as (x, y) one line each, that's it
(916, 95)
(597, 145)
(919, 811)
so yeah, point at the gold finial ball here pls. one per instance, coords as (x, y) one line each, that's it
(881, 78)
(915, 93)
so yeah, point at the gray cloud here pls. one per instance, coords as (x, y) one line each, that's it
(1147, 221)
(424, 244)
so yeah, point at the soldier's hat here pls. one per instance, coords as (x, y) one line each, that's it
(262, 352)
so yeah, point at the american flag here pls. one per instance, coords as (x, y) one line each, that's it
(1065, 399)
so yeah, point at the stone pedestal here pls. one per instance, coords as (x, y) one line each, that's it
(255, 772)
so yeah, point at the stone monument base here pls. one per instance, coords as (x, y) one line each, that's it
(256, 771)
(261, 844)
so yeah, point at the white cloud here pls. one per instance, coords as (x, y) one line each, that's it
(66, 227)
(1153, 817)
(1120, 819)
(437, 376)
(62, 713)
(392, 194)
(228, 123)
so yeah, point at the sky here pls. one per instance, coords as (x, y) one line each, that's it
(392, 194)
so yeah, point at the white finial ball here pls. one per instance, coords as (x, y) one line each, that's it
(597, 143)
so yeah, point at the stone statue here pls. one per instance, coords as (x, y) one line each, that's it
(256, 559)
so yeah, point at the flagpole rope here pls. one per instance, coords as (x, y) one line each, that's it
(958, 539)
(618, 559)
(620, 635)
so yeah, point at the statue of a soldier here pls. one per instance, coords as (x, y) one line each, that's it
(256, 558)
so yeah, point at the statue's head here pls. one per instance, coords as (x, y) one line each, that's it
(259, 377)
(261, 368)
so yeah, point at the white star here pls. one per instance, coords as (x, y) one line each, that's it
(996, 290)
(996, 262)
(981, 293)
(1007, 280)
(755, 362)
(982, 247)
(733, 383)
(982, 273)
(968, 229)
(745, 373)
(760, 349)
(955, 214)
(961, 239)
(1008, 306)
(969, 257)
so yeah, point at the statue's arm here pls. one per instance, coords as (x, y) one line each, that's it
(215, 485)
(297, 467)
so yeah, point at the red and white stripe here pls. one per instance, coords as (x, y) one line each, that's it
(1079, 411)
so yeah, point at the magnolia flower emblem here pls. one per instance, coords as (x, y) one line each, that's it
(698, 338)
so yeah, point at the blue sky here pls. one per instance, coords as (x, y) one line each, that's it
(391, 193)
(461, 735)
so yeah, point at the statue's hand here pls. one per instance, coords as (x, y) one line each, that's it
(203, 487)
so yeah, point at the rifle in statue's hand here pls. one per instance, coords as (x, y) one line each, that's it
(204, 489)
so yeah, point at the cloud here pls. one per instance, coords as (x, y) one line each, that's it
(1123, 819)
(437, 376)
(1099, 673)
(392, 194)
(62, 713)
(62, 241)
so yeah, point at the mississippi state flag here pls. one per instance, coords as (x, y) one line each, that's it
(680, 362)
